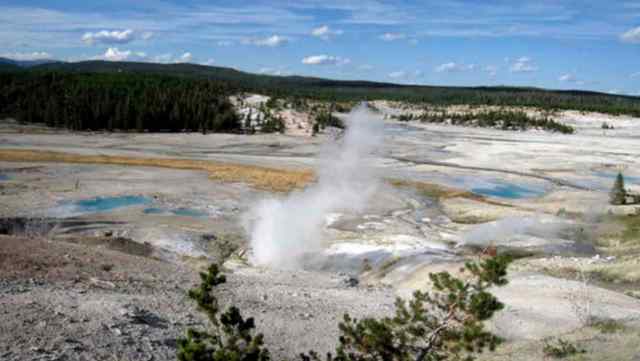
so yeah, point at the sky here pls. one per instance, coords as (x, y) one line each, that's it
(560, 44)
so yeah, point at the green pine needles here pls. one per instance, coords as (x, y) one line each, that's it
(231, 337)
(445, 324)
(618, 195)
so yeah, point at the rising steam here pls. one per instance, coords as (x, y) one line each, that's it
(285, 229)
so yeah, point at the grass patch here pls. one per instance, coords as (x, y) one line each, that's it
(559, 348)
(606, 325)
(439, 192)
(385, 268)
(271, 179)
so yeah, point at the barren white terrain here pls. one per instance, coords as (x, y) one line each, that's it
(445, 193)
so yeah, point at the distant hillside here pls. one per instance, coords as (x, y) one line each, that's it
(338, 90)
(26, 63)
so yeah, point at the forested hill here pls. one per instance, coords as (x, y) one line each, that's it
(337, 90)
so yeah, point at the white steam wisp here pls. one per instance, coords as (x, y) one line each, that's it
(285, 229)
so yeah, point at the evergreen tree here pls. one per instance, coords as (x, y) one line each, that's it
(446, 324)
(618, 194)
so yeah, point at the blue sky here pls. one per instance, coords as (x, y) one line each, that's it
(573, 44)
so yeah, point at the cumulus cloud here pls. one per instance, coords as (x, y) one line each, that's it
(325, 60)
(632, 36)
(392, 36)
(325, 32)
(109, 37)
(271, 41)
(36, 55)
(115, 54)
(453, 67)
(185, 58)
(523, 65)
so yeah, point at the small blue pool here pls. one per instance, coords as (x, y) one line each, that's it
(3, 177)
(507, 190)
(183, 212)
(105, 204)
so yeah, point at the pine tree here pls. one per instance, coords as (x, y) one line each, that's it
(232, 336)
(446, 324)
(618, 194)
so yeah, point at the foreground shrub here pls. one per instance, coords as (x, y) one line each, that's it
(446, 324)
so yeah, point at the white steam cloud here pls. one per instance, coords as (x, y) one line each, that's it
(286, 229)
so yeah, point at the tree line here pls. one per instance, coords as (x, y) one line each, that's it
(112, 101)
(344, 91)
(502, 119)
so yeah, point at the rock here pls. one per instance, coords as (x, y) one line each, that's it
(208, 237)
(101, 283)
(351, 281)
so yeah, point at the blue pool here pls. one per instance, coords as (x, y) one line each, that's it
(104, 204)
(3, 177)
(507, 190)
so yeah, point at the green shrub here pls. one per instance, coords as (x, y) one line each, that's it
(446, 324)
(618, 195)
(559, 348)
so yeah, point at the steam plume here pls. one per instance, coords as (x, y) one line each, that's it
(285, 229)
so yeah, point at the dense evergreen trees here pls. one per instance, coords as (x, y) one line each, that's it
(117, 101)
(340, 91)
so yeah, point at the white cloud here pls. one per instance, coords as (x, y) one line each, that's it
(325, 32)
(569, 78)
(631, 36)
(453, 67)
(392, 36)
(184, 58)
(492, 70)
(523, 65)
(271, 41)
(146, 35)
(405, 75)
(398, 74)
(115, 54)
(325, 60)
(108, 37)
(36, 55)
